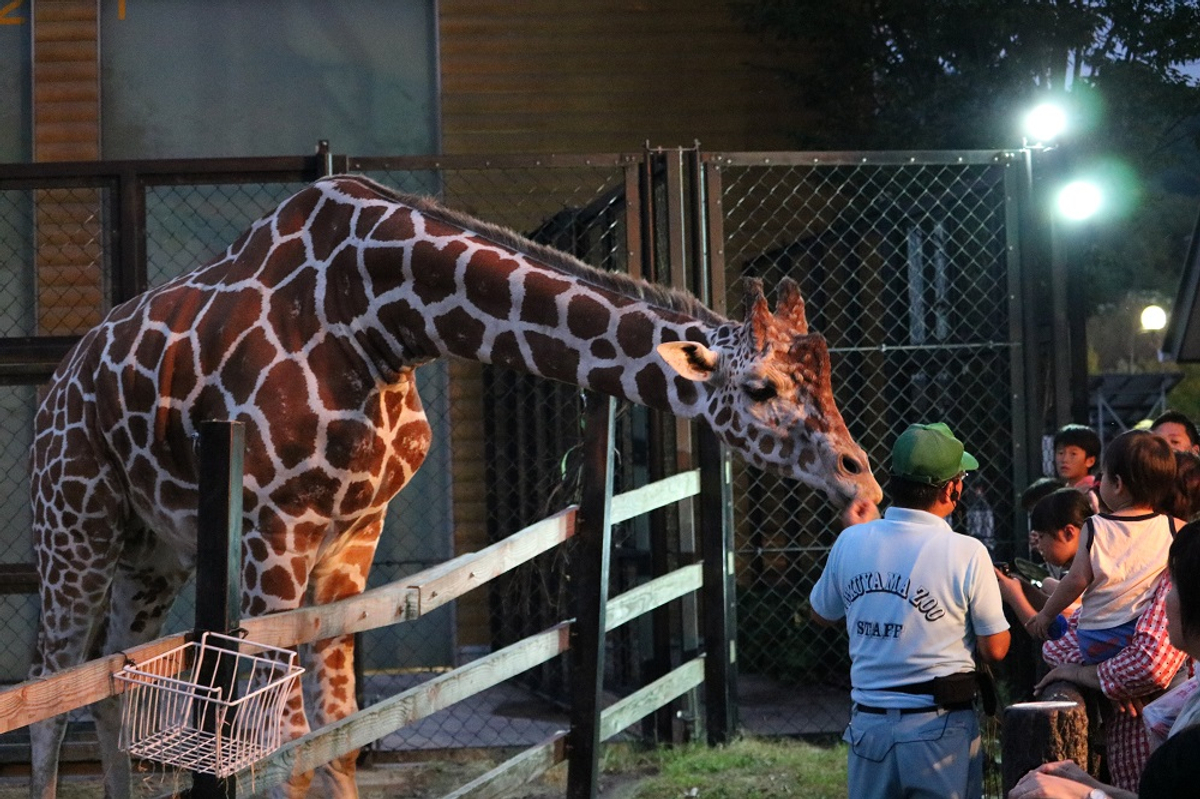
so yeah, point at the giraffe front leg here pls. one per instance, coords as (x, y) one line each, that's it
(341, 573)
(333, 663)
(45, 741)
(294, 725)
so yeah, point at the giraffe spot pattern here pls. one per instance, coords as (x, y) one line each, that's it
(539, 300)
(553, 357)
(635, 335)
(603, 350)
(490, 293)
(461, 331)
(431, 286)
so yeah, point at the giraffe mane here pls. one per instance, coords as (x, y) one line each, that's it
(661, 297)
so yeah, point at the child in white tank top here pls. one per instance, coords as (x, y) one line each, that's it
(1122, 553)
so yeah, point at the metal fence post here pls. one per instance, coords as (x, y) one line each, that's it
(589, 572)
(219, 560)
(720, 604)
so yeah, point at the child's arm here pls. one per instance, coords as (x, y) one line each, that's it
(1072, 584)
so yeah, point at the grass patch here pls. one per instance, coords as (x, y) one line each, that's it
(748, 768)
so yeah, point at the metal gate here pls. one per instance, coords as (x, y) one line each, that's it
(911, 265)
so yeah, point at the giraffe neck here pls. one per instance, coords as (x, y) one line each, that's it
(442, 284)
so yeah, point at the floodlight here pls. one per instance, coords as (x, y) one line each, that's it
(1079, 199)
(1045, 122)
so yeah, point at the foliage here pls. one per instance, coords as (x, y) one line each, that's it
(1122, 271)
(956, 74)
(747, 768)
(901, 74)
(1185, 397)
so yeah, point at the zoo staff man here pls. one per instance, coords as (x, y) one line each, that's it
(919, 601)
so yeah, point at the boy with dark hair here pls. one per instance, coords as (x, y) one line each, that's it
(1041, 487)
(1122, 552)
(1076, 451)
(1179, 431)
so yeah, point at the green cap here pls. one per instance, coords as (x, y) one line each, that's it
(929, 453)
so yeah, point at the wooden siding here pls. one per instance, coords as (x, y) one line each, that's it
(66, 80)
(611, 75)
(66, 127)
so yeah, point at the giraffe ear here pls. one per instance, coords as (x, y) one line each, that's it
(691, 360)
(790, 307)
(758, 314)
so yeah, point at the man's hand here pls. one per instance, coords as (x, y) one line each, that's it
(1131, 707)
(859, 510)
(1010, 587)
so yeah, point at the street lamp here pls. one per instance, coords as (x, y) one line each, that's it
(1153, 318)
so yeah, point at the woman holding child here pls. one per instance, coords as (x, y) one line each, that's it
(1172, 770)
(1125, 600)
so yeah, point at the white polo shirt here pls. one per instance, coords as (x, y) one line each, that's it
(915, 595)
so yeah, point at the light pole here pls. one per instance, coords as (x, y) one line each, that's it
(1063, 202)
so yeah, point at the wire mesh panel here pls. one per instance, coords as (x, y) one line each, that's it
(53, 273)
(189, 225)
(905, 268)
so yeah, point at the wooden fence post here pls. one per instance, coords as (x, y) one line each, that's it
(219, 559)
(589, 574)
(715, 505)
(1055, 728)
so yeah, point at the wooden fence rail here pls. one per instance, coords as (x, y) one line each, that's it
(372, 723)
(400, 601)
(421, 593)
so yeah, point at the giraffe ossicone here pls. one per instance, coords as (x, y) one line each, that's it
(308, 329)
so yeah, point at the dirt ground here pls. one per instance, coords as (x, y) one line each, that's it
(419, 780)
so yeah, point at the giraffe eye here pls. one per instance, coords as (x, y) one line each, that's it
(760, 390)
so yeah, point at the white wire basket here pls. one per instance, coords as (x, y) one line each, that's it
(207, 706)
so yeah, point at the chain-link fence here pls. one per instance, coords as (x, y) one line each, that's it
(907, 267)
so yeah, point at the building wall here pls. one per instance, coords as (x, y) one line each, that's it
(609, 75)
(228, 78)
(15, 85)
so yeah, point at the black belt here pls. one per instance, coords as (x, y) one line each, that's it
(904, 711)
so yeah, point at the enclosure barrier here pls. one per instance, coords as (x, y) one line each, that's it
(590, 523)
(929, 272)
(79, 686)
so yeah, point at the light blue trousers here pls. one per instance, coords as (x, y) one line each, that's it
(932, 755)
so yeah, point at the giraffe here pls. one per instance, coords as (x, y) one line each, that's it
(308, 329)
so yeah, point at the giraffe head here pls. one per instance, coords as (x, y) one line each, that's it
(769, 396)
